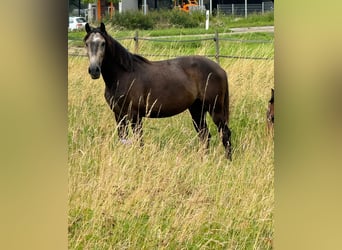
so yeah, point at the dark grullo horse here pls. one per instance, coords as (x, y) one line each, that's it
(270, 113)
(137, 87)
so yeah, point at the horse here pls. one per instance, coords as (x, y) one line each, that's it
(270, 113)
(136, 87)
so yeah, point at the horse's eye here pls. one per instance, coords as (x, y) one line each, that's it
(103, 44)
(86, 44)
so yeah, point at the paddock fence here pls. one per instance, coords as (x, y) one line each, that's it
(216, 39)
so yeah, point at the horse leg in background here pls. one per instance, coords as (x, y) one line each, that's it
(221, 122)
(136, 123)
(199, 121)
(270, 115)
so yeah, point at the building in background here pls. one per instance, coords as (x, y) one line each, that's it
(99, 8)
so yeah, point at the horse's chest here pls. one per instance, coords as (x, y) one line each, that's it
(118, 100)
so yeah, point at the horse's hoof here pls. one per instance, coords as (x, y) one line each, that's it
(126, 142)
(229, 156)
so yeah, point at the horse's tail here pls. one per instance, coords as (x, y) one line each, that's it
(226, 102)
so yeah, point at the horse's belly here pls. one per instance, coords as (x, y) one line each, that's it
(164, 113)
(171, 104)
(166, 108)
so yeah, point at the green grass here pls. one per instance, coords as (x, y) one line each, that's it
(252, 20)
(171, 194)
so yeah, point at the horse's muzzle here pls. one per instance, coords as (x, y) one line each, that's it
(94, 71)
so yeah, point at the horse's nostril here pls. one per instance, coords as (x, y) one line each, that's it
(94, 70)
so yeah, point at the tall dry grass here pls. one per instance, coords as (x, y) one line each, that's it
(171, 194)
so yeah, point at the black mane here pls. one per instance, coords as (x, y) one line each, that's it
(125, 58)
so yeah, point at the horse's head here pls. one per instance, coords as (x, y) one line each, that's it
(96, 44)
(270, 111)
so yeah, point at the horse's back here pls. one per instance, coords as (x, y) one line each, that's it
(209, 75)
(201, 63)
(183, 72)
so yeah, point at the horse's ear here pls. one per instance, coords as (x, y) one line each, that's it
(103, 28)
(272, 96)
(87, 28)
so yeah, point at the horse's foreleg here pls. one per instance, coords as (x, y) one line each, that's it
(137, 129)
(122, 127)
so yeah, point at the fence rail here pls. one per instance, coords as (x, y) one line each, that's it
(214, 38)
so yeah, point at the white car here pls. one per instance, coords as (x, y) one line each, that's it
(76, 23)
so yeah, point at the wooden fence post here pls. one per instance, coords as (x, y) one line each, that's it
(217, 55)
(136, 39)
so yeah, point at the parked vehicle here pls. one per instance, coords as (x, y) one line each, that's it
(76, 23)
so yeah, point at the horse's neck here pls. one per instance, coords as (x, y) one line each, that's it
(109, 73)
(112, 66)
(108, 68)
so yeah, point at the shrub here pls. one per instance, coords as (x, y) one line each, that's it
(133, 20)
(158, 19)
(182, 19)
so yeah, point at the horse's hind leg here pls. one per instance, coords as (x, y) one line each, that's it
(221, 122)
(226, 134)
(198, 119)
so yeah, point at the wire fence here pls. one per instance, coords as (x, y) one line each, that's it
(216, 39)
(240, 9)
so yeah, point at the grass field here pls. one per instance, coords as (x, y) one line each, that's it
(170, 194)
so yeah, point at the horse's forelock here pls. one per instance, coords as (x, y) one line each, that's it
(96, 30)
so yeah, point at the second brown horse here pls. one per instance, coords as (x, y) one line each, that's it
(270, 113)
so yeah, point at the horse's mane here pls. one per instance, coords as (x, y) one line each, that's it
(119, 53)
(123, 56)
(139, 58)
